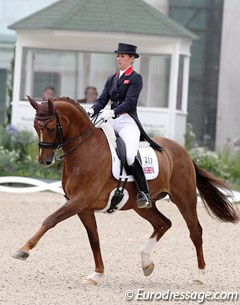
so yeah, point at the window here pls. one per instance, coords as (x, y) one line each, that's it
(3, 87)
(155, 71)
(6, 57)
(41, 80)
(71, 72)
(68, 72)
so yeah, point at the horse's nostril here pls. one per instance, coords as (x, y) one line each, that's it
(45, 162)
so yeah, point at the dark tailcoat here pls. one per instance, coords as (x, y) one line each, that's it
(123, 93)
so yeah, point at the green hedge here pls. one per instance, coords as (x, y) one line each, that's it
(225, 165)
(18, 155)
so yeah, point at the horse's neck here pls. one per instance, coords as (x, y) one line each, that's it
(77, 120)
(89, 160)
(80, 128)
(93, 151)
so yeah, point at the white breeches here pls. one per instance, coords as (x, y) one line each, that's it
(129, 133)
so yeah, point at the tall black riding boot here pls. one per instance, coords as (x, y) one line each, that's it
(143, 197)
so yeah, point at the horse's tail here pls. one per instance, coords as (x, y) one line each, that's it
(215, 201)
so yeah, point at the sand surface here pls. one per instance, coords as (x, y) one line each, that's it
(54, 272)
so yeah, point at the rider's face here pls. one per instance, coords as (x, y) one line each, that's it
(124, 61)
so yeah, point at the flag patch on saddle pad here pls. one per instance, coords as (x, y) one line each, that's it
(148, 157)
(148, 170)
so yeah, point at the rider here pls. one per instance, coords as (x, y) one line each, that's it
(123, 89)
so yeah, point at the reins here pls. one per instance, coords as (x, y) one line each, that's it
(59, 140)
(76, 146)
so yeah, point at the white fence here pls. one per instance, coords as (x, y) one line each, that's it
(36, 185)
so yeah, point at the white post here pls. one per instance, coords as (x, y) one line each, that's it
(173, 92)
(186, 64)
(17, 83)
(29, 73)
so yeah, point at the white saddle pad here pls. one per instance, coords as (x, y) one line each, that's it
(148, 157)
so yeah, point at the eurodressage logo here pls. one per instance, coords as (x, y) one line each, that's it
(198, 296)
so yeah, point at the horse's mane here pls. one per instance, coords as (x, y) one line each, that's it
(69, 100)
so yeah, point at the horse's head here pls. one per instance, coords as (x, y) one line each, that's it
(60, 123)
(49, 130)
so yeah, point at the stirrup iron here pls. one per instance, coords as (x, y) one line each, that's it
(143, 201)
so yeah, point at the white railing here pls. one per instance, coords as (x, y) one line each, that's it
(35, 185)
(39, 186)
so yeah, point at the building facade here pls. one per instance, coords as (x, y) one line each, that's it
(79, 53)
(213, 85)
(228, 112)
(204, 18)
(11, 11)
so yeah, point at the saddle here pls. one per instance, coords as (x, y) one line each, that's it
(120, 169)
(119, 192)
(121, 152)
(146, 155)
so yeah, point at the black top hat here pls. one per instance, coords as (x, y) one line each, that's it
(124, 48)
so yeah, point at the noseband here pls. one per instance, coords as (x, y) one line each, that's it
(59, 141)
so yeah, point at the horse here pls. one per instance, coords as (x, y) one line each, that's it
(87, 181)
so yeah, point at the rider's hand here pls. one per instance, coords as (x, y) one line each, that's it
(90, 112)
(107, 114)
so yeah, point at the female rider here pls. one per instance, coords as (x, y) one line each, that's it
(123, 89)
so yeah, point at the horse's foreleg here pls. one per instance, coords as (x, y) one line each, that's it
(89, 221)
(67, 210)
(160, 224)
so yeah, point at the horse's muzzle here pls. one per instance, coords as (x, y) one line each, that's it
(48, 161)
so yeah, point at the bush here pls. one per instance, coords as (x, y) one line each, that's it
(211, 161)
(18, 155)
(190, 137)
(232, 160)
(222, 165)
(8, 161)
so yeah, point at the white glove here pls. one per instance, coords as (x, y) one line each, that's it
(107, 114)
(90, 112)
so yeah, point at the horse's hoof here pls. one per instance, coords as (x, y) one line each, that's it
(198, 282)
(199, 279)
(93, 278)
(148, 269)
(22, 255)
(90, 281)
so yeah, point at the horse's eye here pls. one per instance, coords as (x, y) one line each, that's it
(50, 130)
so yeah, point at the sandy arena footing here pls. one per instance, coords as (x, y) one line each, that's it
(54, 272)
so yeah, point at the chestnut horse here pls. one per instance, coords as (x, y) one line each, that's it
(87, 182)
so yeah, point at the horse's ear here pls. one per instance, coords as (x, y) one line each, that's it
(33, 102)
(50, 106)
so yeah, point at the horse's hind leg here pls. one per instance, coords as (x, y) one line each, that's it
(188, 208)
(67, 210)
(160, 225)
(89, 221)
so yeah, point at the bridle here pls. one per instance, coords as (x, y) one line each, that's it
(59, 141)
